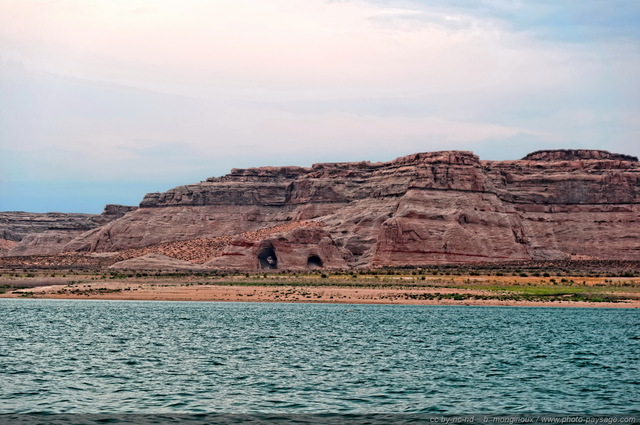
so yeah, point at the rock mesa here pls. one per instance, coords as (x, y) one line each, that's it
(425, 208)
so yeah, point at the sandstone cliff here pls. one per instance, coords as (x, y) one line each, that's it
(419, 209)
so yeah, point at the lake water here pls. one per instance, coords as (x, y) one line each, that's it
(186, 357)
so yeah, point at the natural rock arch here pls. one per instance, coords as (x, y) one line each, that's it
(267, 257)
(314, 261)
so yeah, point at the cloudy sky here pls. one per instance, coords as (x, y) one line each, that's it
(103, 101)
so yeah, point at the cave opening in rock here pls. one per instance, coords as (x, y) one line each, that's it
(314, 261)
(267, 258)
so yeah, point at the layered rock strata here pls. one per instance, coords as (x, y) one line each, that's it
(436, 207)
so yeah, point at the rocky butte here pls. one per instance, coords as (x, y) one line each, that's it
(426, 208)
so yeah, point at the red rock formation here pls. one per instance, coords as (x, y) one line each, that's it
(301, 248)
(419, 209)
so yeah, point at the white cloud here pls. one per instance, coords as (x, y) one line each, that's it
(132, 88)
(196, 47)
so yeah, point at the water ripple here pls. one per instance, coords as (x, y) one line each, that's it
(172, 357)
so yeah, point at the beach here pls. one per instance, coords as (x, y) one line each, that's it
(458, 291)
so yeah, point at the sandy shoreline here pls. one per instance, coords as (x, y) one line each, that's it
(290, 294)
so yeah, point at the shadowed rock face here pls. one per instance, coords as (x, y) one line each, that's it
(418, 209)
(314, 262)
(267, 257)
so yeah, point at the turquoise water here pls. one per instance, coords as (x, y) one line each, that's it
(186, 357)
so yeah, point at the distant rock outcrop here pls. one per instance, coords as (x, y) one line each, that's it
(419, 209)
(48, 233)
(576, 154)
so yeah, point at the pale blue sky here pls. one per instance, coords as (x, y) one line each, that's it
(101, 102)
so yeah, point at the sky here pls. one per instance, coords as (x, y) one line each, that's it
(104, 101)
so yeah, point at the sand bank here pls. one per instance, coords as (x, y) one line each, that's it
(296, 294)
